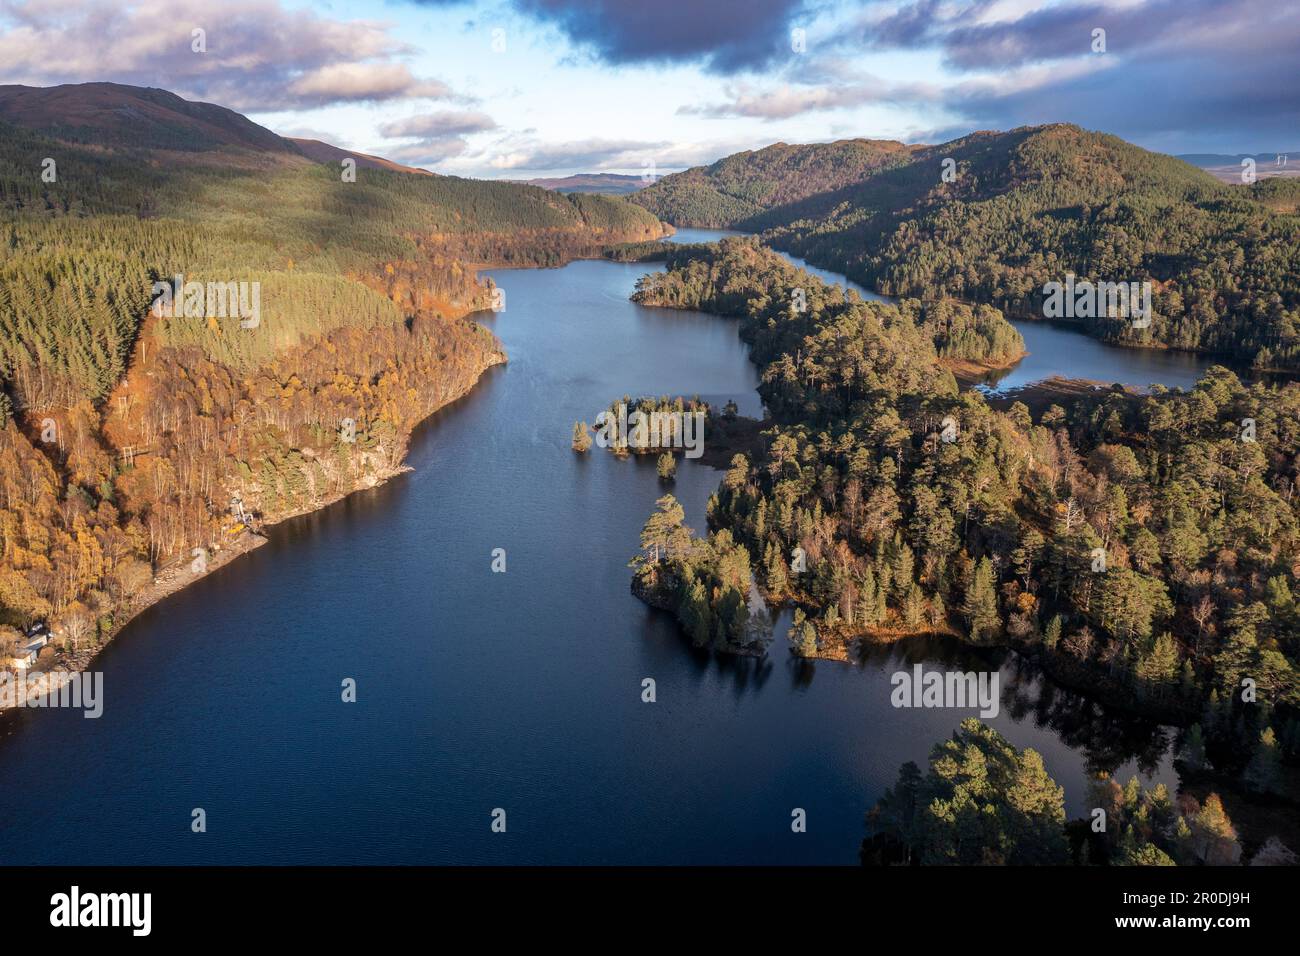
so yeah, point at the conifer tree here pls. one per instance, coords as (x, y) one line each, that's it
(981, 607)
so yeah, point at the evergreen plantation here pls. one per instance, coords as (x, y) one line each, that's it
(113, 223)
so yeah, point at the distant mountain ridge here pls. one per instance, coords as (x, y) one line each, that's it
(1227, 168)
(1209, 160)
(611, 184)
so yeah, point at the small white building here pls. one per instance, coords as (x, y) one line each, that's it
(24, 657)
(27, 652)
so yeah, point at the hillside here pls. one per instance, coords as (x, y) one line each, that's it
(124, 433)
(741, 186)
(1033, 204)
(110, 114)
(1028, 206)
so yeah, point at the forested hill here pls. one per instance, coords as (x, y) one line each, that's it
(746, 184)
(123, 435)
(294, 216)
(1023, 208)
(117, 115)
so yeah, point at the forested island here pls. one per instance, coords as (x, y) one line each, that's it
(1141, 548)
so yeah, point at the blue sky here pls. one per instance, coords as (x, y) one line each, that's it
(524, 88)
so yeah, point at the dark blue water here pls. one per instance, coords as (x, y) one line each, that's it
(1057, 348)
(480, 690)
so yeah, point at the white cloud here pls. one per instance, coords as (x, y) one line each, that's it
(519, 156)
(788, 100)
(344, 82)
(434, 125)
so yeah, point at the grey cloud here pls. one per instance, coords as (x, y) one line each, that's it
(1176, 74)
(725, 36)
